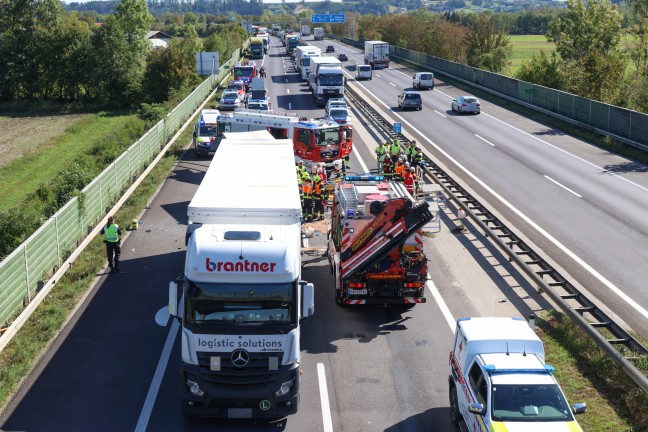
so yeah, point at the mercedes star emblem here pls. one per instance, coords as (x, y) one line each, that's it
(240, 358)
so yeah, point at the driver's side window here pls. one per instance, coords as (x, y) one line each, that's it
(478, 383)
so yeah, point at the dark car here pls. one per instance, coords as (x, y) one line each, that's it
(410, 99)
(330, 48)
(343, 57)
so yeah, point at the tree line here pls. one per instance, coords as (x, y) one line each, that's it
(83, 58)
(601, 48)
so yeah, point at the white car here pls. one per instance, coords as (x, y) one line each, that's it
(335, 103)
(339, 115)
(466, 104)
(229, 100)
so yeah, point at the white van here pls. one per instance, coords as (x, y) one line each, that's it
(363, 72)
(423, 80)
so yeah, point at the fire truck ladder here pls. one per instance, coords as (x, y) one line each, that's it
(384, 241)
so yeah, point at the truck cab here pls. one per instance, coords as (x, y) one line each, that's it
(499, 380)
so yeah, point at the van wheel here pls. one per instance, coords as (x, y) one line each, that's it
(455, 415)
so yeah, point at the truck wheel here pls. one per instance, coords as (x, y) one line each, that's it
(455, 415)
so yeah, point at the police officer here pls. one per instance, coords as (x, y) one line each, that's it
(395, 149)
(111, 232)
(381, 151)
(417, 157)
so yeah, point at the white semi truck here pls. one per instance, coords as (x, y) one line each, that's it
(303, 54)
(326, 79)
(376, 54)
(318, 33)
(305, 30)
(241, 299)
(499, 380)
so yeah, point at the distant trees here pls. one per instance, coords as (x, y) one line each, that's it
(47, 54)
(480, 44)
(487, 47)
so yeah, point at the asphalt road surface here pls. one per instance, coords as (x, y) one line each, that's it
(116, 366)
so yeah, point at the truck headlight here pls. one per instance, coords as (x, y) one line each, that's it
(285, 388)
(194, 389)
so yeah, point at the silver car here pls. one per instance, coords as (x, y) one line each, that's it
(229, 100)
(466, 104)
(410, 99)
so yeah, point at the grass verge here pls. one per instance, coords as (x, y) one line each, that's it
(22, 177)
(587, 374)
(26, 348)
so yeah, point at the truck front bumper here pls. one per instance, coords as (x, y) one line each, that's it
(239, 401)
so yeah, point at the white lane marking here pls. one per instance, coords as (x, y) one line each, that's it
(616, 175)
(287, 90)
(485, 140)
(326, 407)
(289, 105)
(442, 305)
(534, 225)
(562, 186)
(378, 75)
(442, 115)
(392, 84)
(147, 409)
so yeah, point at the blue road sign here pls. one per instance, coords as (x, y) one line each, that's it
(397, 128)
(328, 18)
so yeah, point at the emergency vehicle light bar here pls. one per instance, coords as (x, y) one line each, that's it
(365, 178)
(493, 370)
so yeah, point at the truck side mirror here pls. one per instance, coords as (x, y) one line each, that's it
(173, 298)
(477, 408)
(579, 408)
(308, 300)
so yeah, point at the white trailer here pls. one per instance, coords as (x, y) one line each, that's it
(318, 33)
(376, 54)
(305, 30)
(326, 79)
(302, 59)
(241, 294)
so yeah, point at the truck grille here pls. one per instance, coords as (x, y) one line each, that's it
(255, 374)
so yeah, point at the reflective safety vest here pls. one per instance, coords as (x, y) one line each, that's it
(381, 150)
(395, 149)
(399, 169)
(307, 187)
(408, 150)
(111, 233)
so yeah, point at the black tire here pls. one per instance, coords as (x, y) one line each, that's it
(455, 415)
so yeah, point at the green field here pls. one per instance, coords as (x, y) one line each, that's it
(524, 46)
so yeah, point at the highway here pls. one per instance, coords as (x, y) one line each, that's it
(115, 366)
(583, 206)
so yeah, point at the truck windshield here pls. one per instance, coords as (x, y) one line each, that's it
(529, 403)
(240, 304)
(331, 80)
(208, 131)
(240, 71)
(327, 136)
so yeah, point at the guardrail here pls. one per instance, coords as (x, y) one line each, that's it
(621, 124)
(29, 268)
(566, 296)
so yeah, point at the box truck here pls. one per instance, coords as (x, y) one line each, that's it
(241, 299)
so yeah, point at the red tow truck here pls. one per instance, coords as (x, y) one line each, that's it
(375, 245)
